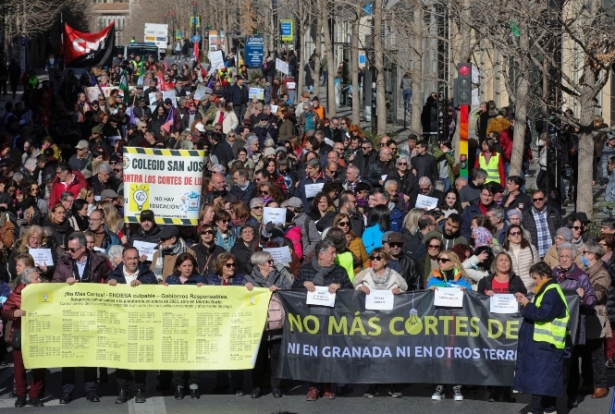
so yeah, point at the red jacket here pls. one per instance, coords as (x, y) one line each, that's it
(74, 187)
(10, 306)
(506, 143)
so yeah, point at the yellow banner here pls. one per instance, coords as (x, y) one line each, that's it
(145, 327)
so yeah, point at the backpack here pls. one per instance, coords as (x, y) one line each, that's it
(276, 314)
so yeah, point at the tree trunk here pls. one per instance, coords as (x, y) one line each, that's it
(585, 195)
(354, 73)
(381, 109)
(417, 69)
(521, 100)
(325, 8)
(317, 54)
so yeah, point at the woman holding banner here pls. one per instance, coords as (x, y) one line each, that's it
(450, 273)
(542, 339)
(380, 277)
(264, 274)
(186, 273)
(502, 280)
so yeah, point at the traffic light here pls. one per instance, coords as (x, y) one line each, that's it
(463, 85)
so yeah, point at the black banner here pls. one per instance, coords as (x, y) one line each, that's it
(416, 342)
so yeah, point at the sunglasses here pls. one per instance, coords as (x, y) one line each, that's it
(224, 221)
(270, 261)
(376, 258)
(403, 163)
(443, 260)
(538, 199)
(576, 227)
(365, 148)
(397, 244)
(515, 233)
(343, 223)
(73, 250)
(258, 207)
(265, 193)
(211, 232)
(229, 265)
(434, 246)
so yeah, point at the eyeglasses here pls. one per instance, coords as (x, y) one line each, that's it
(443, 260)
(258, 207)
(94, 219)
(376, 258)
(538, 199)
(393, 149)
(265, 193)
(343, 223)
(434, 246)
(224, 221)
(229, 265)
(576, 227)
(270, 261)
(74, 250)
(514, 233)
(365, 148)
(113, 163)
(210, 232)
(395, 244)
(403, 163)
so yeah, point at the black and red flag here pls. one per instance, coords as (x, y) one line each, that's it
(88, 49)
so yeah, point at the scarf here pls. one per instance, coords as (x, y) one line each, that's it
(321, 272)
(174, 250)
(561, 274)
(380, 282)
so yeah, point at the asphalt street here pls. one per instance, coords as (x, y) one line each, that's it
(416, 399)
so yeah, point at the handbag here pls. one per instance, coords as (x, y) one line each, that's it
(16, 340)
(595, 324)
(276, 314)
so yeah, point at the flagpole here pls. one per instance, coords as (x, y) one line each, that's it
(62, 39)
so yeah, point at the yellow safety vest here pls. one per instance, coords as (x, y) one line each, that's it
(347, 262)
(493, 172)
(553, 332)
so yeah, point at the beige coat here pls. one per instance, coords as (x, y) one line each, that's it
(601, 280)
(521, 264)
(168, 265)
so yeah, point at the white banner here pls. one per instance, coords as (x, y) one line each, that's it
(281, 66)
(168, 182)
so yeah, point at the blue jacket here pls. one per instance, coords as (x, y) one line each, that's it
(397, 220)
(215, 280)
(145, 276)
(193, 280)
(244, 195)
(372, 237)
(238, 96)
(540, 366)
(110, 239)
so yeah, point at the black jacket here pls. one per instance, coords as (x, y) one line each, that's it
(145, 276)
(307, 273)
(410, 272)
(244, 195)
(98, 187)
(515, 284)
(425, 166)
(362, 162)
(153, 236)
(243, 254)
(376, 170)
(202, 257)
(406, 184)
(554, 222)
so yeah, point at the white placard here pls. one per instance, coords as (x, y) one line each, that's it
(281, 66)
(274, 215)
(503, 303)
(258, 93)
(171, 95)
(152, 98)
(321, 296)
(279, 254)
(216, 59)
(290, 85)
(449, 297)
(312, 189)
(428, 203)
(42, 257)
(145, 248)
(274, 109)
(379, 300)
(199, 93)
(383, 176)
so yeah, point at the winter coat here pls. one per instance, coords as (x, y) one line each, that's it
(540, 366)
(238, 96)
(99, 270)
(409, 271)
(376, 170)
(226, 243)
(307, 272)
(425, 166)
(60, 232)
(145, 276)
(575, 279)
(152, 236)
(242, 255)
(168, 262)
(396, 218)
(506, 142)
(473, 273)
(366, 278)
(515, 284)
(610, 300)
(437, 279)
(406, 184)
(244, 195)
(99, 187)
(229, 120)
(469, 213)
(521, 264)
(429, 116)
(309, 234)
(294, 235)
(372, 237)
(601, 282)
(554, 222)
(12, 304)
(358, 249)
(215, 280)
(362, 162)
(440, 156)
(75, 187)
(609, 194)
(202, 255)
(192, 280)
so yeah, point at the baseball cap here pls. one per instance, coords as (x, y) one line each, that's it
(199, 127)
(263, 117)
(82, 144)
(392, 237)
(292, 202)
(98, 129)
(147, 215)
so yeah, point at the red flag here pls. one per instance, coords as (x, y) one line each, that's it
(196, 51)
(88, 49)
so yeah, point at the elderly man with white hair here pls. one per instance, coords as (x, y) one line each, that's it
(103, 180)
(426, 189)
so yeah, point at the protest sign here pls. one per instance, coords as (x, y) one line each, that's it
(279, 254)
(428, 203)
(449, 297)
(216, 60)
(503, 303)
(312, 189)
(152, 98)
(258, 93)
(415, 342)
(320, 296)
(42, 257)
(170, 95)
(145, 249)
(168, 182)
(281, 66)
(151, 327)
(274, 215)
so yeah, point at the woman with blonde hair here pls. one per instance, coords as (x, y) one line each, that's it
(113, 220)
(87, 194)
(33, 238)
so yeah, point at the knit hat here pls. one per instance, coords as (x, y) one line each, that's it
(482, 237)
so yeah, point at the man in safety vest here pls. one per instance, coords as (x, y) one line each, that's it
(491, 161)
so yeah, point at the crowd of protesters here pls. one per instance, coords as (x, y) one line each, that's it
(61, 187)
